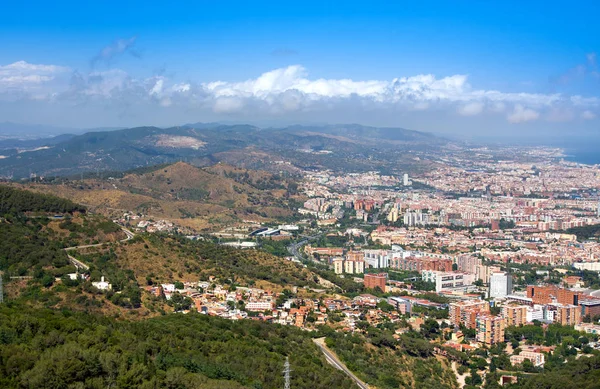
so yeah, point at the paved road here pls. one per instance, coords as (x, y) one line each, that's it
(81, 265)
(294, 247)
(78, 264)
(333, 359)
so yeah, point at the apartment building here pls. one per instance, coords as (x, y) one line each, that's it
(489, 329)
(500, 285)
(375, 280)
(536, 358)
(515, 315)
(552, 294)
(465, 312)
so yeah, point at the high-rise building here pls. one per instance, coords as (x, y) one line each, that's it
(405, 180)
(338, 265)
(465, 312)
(489, 329)
(500, 284)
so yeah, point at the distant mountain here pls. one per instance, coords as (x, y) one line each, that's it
(20, 144)
(9, 130)
(202, 144)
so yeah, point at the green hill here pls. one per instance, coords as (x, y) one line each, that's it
(61, 349)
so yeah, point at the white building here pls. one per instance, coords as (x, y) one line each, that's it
(377, 259)
(535, 313)
(259, 306)
(405, 180)
(592, 266)
(447, 280)
(500, 284)
(102, 285)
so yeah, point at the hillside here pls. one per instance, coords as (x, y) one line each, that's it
(198, 198)
(163, 258)
(60, 349)
(368, 148)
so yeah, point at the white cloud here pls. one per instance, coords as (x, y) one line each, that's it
(285, 90)
(588, 115)
(470, 109)
(521, 114)
(23, 75)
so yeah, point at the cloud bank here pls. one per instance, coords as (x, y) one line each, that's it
(283, 91)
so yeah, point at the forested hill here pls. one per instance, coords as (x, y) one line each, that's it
(61, 349)
(18, 201)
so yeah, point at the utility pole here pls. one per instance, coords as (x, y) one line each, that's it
(1, 288)
(286, 373)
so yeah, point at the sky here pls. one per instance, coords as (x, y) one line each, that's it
(465, 68)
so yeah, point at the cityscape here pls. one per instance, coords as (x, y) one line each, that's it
(299, 195)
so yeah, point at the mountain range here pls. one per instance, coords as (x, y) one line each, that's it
(204, 144)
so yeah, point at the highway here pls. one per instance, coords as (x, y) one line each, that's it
(80, 265)
(333, 359)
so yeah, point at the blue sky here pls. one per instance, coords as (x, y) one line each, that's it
(462, 66)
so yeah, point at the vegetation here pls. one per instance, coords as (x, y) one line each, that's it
(582, 373)
(14, 201)
(380, 360)
(60, 349)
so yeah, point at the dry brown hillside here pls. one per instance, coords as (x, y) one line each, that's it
(198, 198)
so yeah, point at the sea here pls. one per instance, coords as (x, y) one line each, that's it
(587, 152)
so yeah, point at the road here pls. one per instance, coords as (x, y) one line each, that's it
(80, 265)
(294, 247)
(333, 359)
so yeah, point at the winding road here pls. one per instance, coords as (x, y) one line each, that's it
(80, 265)
(333, 359)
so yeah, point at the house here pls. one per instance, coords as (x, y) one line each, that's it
(102, 285)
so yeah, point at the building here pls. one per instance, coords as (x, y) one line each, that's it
(354, 266)
(515, 315)
(589, 307)
(484, 272)
(405, 180)
(377, 259)
(465, 312)
(552, 294)
(373, 281)
(500, 285)
(588, 328)
(468, 263)
(536, 358)
(102, 285)
(565, 314)
(536, 312)
(419, 264)
(489, 329)
(259, 306)
(338, 265)
(447, 280)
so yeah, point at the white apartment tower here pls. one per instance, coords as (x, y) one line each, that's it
(500, 284)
